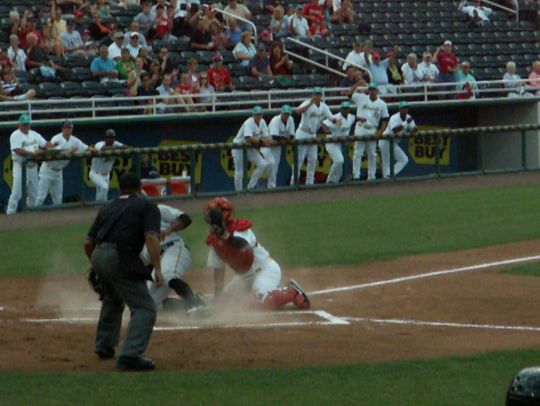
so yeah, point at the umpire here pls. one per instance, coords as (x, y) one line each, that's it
(113, 244)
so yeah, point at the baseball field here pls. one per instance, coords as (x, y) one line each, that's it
(422, 293)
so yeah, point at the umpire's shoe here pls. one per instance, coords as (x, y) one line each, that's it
(105, 353)
(139, 363)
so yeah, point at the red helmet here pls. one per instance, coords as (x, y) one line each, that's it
(223, 204)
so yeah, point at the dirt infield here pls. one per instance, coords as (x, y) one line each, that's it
(477, 311)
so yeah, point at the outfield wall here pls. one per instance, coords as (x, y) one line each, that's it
(214, 169)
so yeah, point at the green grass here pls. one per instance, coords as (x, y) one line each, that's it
(476, 380)
(318, 234)
(529, 270)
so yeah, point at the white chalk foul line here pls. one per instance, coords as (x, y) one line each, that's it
(443, 324)
(428, 275)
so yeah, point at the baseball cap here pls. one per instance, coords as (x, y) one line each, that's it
(112, 26)
(70, 22)
(373, 86)
(134, 34)
(376, 55)
(67, 123)
(266, 33)
(317, 90)
(118, 35)
(257, 110)
(403, 105)
(286, 109)
(79, 14)
(447, 42)
(86, 32)
(345, 105)
(217, 57)
(110, 133)
(24, 119)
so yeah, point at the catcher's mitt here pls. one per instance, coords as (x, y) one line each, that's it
(214, 217)
(96, 283)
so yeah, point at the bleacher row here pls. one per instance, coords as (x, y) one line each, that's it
(415, 26)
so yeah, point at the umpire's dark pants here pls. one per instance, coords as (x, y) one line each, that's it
(120, 288)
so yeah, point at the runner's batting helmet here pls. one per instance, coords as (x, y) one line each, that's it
(223, 204)
(524, 389)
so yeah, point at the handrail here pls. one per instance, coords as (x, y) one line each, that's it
(327, 54)
(226, 13)
(501, 7)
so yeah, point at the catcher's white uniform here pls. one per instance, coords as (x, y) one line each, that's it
(175, 256)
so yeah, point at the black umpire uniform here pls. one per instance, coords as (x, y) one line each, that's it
(113, 244)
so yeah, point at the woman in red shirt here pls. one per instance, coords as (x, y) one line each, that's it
(279, 62)
(448, 67)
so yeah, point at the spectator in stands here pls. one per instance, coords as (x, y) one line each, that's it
(318, 28)
(201, 40)
(244, 51)
(125, 65)
(163, 24)
(72, 39)
(16, 54)
(512, 82)
(280, 65)
(356, 57)
(314, 12)
(278, 25)
(240, 11)
(15, 24)
(353, 77)
(343, 12)
(109, 39)
(167, 92)
(428, 71)
(218, 37)
(156, 75)
(89, 45)
(115, 49)
(186, 89)
(160, 3)
(219, 76)
(379, 76)
(146, 89)
(133, 45)
(193, 73)
(208, 16)
(395, 76)
(99, 30)
(466, 82)
(411, 76)
(165, 63)
(37, 58)
(259, 65)
(56, 22)
(146, 19)
(29, 27)
(52, 46)
(134, 28)
(233, 33)
(102, 7)
(103, 67)
(291, 12)
(134, 77)
(476, 13)
(448, 66)
(80, 24)
(12, 89)
(298, 24)
(69, 6)
(206, 90)
(534, 79)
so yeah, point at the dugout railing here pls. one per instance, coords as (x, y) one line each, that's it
(480, 134)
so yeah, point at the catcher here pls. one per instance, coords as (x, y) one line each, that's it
(233, 243)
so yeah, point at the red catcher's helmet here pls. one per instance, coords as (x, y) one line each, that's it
(223, 204)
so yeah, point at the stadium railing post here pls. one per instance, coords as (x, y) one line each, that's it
(136, 162)
(23, 186)
(83, 201)
(392, 158)
(480, 138)
(244, 168)
(296, 169)
(438, 155)
(193, 161)
(524, 150)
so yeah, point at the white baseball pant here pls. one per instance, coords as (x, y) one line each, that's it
(400, 158)
(175, 262)
(102, 185)
(272, 156)
(16, 190)
(50, 181)
(336, 170)
(309, 151)
(359, 148)
(256, 159)
(260, 282)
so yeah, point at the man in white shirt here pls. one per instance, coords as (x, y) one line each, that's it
(133, 45)
(357, 57)
(50, 173)
(115, 49)
(16, 54)
(299, 26)
(400, 124)
(254, 131)
(281, 128)
(476, 13)
(101, 167)
(135, 29)
(411, 75)
(372, 116)
(313, 111)
(72, 39)
(25, 143)
(346, 121)
(428, 71)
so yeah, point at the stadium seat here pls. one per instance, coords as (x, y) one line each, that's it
(49, 89)
(70, 89)
(93, 88)
(81, 74)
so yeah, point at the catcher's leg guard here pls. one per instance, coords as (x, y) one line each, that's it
(301, 299)
(279, 298)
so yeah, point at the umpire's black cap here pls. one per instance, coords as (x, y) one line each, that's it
(129, 182)
(110, 133)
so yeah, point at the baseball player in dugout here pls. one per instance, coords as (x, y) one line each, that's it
(233, 243)
(113, 245)
(101, 167)
(25, 143)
